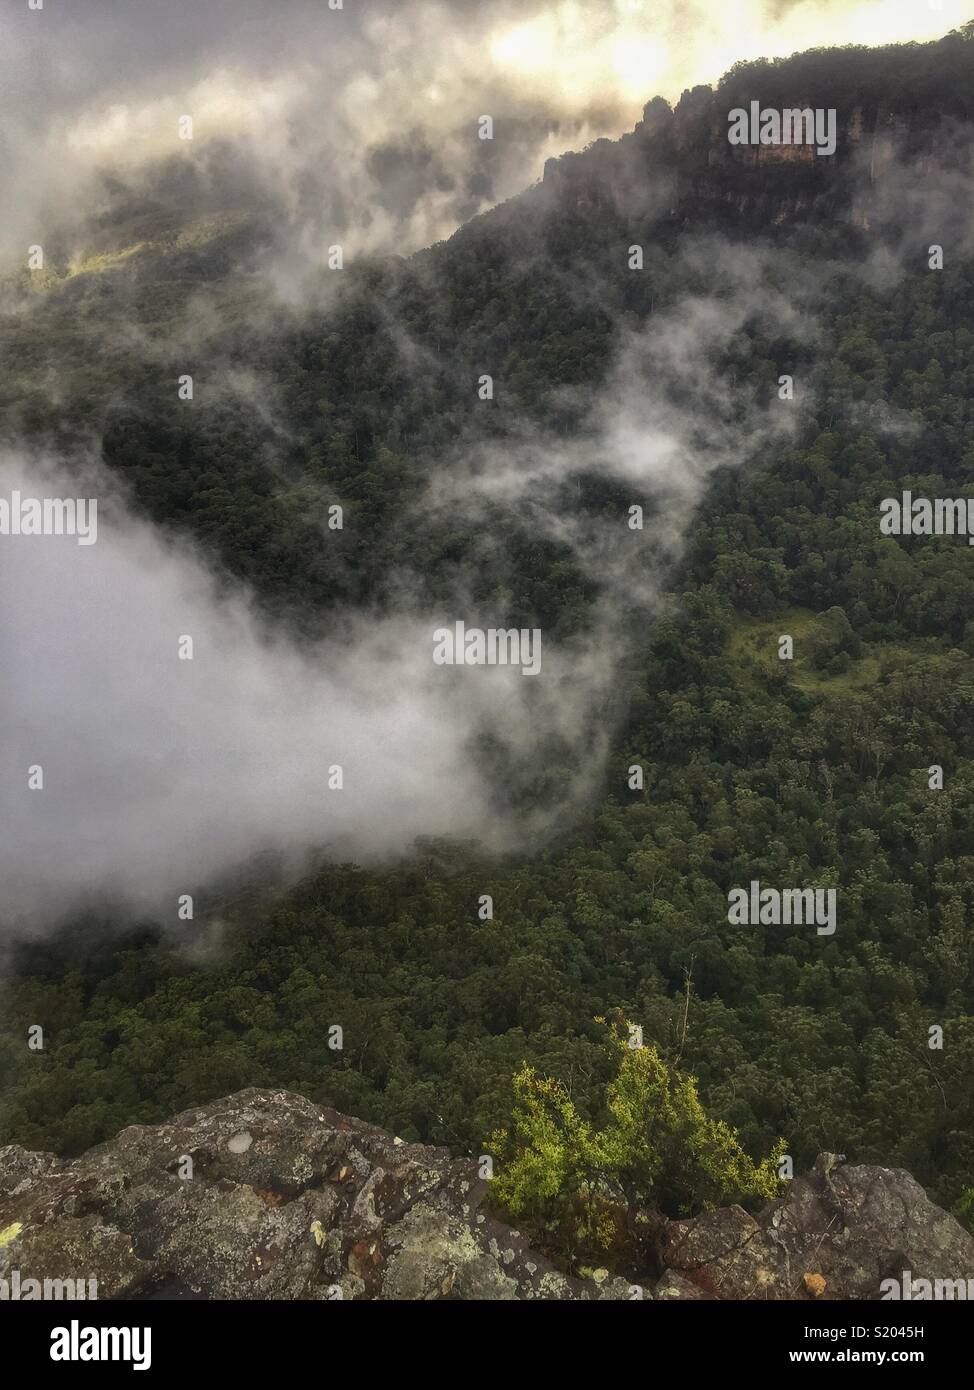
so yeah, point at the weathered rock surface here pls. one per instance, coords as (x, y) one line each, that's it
(838, 1233)
(286, 1200)
(266, 1195)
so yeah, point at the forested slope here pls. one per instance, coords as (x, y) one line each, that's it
(806, 772)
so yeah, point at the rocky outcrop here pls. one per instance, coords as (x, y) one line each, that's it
(892, 138)
(839, 1233)
(266, 1195)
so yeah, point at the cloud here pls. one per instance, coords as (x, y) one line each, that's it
(667, 416)
(162, 774)
(362, 123)
(908, 204)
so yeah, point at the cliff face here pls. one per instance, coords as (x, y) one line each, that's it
(264, 1195)
(679, 163)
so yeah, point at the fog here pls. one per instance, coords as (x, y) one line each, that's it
(362, 122)
(160, 774)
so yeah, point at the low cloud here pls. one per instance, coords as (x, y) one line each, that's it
(161, 774)
(362, 123)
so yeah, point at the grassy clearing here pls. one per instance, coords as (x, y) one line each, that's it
(753, 649)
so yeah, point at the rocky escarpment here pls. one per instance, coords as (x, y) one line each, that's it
(902, 136)
(266, 1195)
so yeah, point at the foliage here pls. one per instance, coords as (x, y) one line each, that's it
(563, 1176)
(964, 1209)
(812, 771)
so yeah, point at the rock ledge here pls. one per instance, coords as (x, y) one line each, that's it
(265, 1195)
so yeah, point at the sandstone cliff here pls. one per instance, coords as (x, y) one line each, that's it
(898, 141)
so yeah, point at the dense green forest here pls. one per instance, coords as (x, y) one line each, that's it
(813, 771)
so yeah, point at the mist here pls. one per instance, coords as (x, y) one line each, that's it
(360, 123)
(161, 773)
